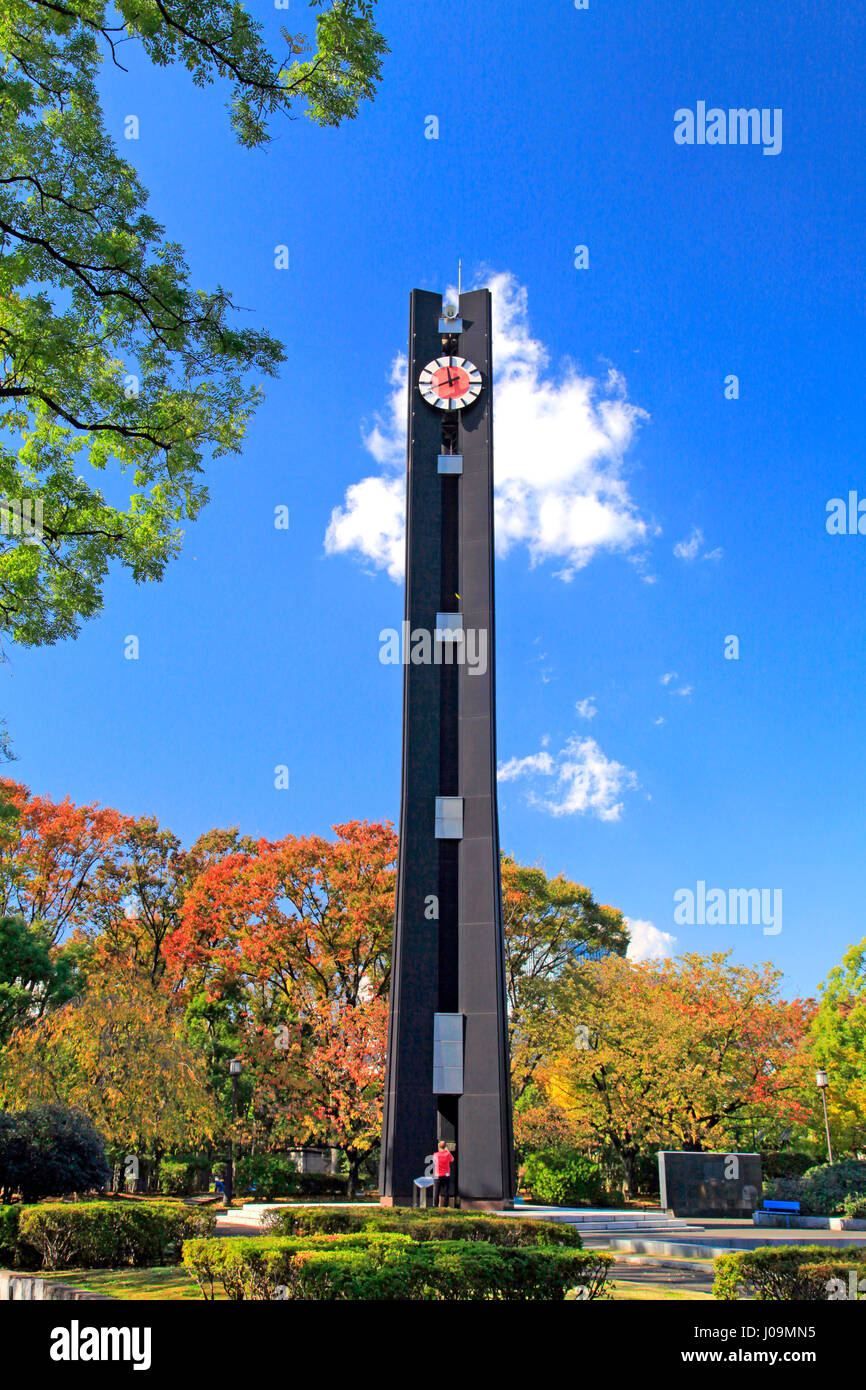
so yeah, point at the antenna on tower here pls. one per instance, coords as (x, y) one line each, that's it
(459, 278)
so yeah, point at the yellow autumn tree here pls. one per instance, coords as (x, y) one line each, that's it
(677, 1054)
(119, 1054)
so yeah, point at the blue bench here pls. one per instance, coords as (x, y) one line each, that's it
(788, 1208)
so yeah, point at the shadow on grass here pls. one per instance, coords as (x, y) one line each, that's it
(160, 1283)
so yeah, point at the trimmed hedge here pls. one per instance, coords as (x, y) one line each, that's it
(12, 1254)
(365, 1266)
(514, 1232)
(776, 1273)
(102, 1235)
(9, 1236)
(255, 1267)
(829, 1283)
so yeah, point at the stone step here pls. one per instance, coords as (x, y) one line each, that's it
(252, 1212)
(583, 1216)
(589, 1221)
(623, 1229)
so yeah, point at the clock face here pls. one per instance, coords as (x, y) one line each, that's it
(450, 383)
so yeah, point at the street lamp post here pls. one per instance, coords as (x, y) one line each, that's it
(235, 1068)
(822, 1083)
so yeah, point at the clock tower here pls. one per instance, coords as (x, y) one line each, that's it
(448, 1068)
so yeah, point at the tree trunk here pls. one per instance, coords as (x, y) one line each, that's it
(627, 1160)
(159, 1153)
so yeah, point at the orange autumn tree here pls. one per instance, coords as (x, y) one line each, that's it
(137, 891)
(690, 1053)
(50, 853)
(294, 939)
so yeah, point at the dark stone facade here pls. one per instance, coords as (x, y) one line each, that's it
(710, 1184)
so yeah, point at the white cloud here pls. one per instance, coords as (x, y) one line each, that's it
(660, 720)
(587, 709)
(523, 767)
(647, 942)
(690, 548)
(560, 489)
(386, 441)
(687, 550)
(670, 676)
(373, 522)
(583, 780)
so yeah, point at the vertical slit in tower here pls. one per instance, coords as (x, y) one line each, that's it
(448, 711)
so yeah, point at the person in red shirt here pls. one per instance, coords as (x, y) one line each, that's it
(442, 1161)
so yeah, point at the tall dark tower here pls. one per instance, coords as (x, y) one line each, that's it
(448, 1070)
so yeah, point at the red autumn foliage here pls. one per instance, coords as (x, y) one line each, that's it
(297, 937)
(49, 856)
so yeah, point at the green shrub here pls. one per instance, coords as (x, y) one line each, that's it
(830, 1282)
(774, 1272)
(14, 1255)
(854, 1205)
(9, 1217)
(181, 1177)
(176, 1179)
(315, 1221)
(516, 1231)
(563, 1178)
(645, 1174)
(268, 1176)
(50, 1151)
(780, 1164)
(822, 1190)
(97, 1235)
(366, 1266)
(259, 1267)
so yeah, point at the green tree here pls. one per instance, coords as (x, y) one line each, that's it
(34, 976)
(838, 1033)
(49, 1151)
(551, 926)
(108, 354)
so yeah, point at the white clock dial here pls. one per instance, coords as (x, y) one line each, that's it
(450, 383)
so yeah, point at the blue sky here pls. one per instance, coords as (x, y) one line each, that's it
(260, 648)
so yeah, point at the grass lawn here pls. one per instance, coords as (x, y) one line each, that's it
(161, 1282)
(172, 1282)
(654, 1293)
